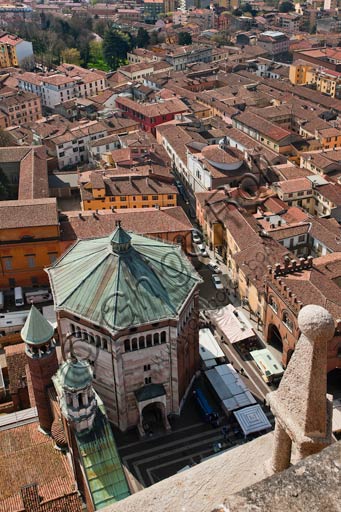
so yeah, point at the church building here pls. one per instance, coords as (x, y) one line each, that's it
(128, 304)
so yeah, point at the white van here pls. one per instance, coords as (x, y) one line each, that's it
(13, 321)
(37, 296)
(18, 296)
(2, 300)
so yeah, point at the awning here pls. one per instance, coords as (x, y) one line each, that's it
(149, 391)
(232, 324)
(229, 387)
(252, 419)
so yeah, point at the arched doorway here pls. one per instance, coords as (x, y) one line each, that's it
(153, 421)
(334, 383)
(275, 338)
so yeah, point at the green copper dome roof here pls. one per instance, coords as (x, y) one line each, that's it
(37, 329)
(75, 375)
(122, 280)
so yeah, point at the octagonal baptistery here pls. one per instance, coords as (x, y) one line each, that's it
(129, 304)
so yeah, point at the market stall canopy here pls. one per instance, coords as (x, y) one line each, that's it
(229, 387)
(232, 323)
(209, 348)
(252, 419)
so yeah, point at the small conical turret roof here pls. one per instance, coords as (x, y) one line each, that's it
(120, 240)
(37, 329)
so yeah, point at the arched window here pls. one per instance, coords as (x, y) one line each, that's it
(149, 340)
(163, 337)
(78, 332)
(127, 347)
(287, 322)
(80, 400)
(156, 338)
(273, 304)
(141, 342)
(91, 339)
(72, 328)
(104, 344)
(85, 336)
(134, 344)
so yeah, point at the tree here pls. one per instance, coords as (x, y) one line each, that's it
(71, 56)
(101, 26)
(142, 38)
(247, 8)
(154, 37)
(184, 38)
(27, 63)
(286, 6)
(115, 48)
(96, 56)
(5, 189)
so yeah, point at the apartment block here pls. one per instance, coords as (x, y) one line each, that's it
(20, 108)
(14, 51)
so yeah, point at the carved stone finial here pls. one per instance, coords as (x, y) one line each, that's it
(302, 409)
(316, 323)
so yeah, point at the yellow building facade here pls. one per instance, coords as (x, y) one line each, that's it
(141, 193)
(8, 56)
(130, 201)
(27, 250)
(326, 81)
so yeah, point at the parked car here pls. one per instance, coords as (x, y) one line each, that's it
(217, 282)
(213, 265)
(202, 250)
(196, 237)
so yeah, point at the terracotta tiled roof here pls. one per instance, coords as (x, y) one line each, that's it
(18, 99)
(328, 232)
(153, 109)
(28, 213)
(319, 285)
(274, 205)
(332, 192)
(255, 258)
(289, 231)
(32, 78)
(148, 221)
(133, 186)
(267, 128)
(217, 154)
(29, 457)
(16, 360)
(33, 180)
(57, 80)
(291, 172)
(10, 39)
(294, 214)
(243, 229)
(295, 185)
